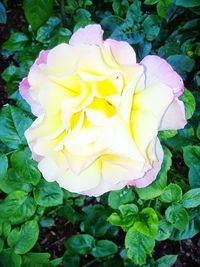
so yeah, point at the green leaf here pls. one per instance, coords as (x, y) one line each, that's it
(95, 222)
(150, 2)
(166, 261)
(1, 244)
(120, 7)
(37, 11)
(71, 261)
(186, 3)
(191, 230)
(13, 122)
(163, 135)
(47, 222)
(144, 48)
(3, 165)
(8, 258)
(110, 23)
(138, 245)
(44, 33)
(134, 12)
(61, 35)
(82, 18)
(80, 244)
(55, 263)
(117, 198)
(14, 181)
(191, 155)
(191, 199)
(23, 164)
(181, 63)
(172, 193)
(35, 259)
(127, 217)
(189, 102)
(17, 207)
(147, 223)
(198, 131)
(177, 216)
(194, 176)
(3, 16)
(23, 239)
(16, 41)
(5, 228)
(48, 194)
(156, 188)
(104, 248)
(162, 8)
(164, 230)
(151, 27)
(169, 49)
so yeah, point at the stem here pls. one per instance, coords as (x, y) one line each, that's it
(62, 11)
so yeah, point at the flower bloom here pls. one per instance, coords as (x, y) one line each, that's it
(99, 112)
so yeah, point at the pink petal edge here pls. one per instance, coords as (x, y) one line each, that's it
(123, 53)
(42, 58)
(174, 117)
(157, 69)
(91, 34)
(150, 175)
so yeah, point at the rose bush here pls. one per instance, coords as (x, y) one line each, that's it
(99, 113)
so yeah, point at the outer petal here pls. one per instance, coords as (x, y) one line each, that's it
(116, 171)
(174, 117)
(159, 71)
(122, 52)
(24, 89)
(62, 58)
(150, 175)
(91, 34)
(42, 58)
(86, 180)
(154, 99)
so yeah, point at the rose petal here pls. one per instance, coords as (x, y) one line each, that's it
(144, 127)
(86, 180)
(174, 117)
(42, 58)
(24, 89)
(159, 71)
(155, 99)
(150, 175)
(91, 34)
(122, 52)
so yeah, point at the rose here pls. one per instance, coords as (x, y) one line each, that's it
(99, 113)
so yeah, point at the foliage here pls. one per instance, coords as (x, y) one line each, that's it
(121, 227)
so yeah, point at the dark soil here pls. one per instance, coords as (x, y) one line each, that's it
(52, 239)
(188, 251)
(16, 20)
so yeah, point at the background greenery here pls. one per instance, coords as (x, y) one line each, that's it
(120, 228)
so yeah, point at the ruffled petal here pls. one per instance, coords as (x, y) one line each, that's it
(42, 58)
(159, 71)
(150, 175)
(174, 117)
(155, 99)
(122, 52)
(91, 34)
(86, 180)
(24, 89)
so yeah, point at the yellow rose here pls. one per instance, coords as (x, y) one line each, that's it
(99, 113)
